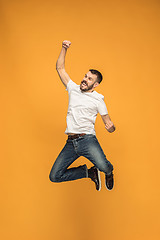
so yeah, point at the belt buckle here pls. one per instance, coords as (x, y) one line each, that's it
(76, 136)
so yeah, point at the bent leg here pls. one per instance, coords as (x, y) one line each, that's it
(93, 152)
(60, 171)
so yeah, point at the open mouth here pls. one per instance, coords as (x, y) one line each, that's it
(84, 84)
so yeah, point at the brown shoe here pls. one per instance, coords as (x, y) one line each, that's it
(109, 181)
(94, 175)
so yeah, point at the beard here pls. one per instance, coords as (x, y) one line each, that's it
(87, 88)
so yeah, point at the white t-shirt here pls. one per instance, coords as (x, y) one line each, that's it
(82, 109)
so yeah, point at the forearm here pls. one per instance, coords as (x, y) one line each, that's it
(60, 64)
(108, 123)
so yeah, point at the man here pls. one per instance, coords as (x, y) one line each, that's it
(84, 104)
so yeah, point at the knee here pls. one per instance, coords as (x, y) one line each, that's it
(107, 168)
(53, 177)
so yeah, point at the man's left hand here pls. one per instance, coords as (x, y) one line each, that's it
(108, 123)
(110, 127)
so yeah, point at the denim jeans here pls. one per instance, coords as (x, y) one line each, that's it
(86, 146)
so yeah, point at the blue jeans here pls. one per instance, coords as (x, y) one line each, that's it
(86, 146)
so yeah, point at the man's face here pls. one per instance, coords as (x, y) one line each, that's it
(89, 82)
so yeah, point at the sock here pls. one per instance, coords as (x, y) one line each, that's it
(90, 173)
(109, 174)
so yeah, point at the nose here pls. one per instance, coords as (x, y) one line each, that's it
(85, 79)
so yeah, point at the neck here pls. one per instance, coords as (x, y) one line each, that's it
(90, 90)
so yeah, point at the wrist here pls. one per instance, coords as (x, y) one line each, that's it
(64, 48)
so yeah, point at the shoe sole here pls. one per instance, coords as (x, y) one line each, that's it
(99, 178)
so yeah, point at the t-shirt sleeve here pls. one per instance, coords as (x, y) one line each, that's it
(70, 85)
(102, 109)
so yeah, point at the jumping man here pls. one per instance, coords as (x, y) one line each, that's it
(84, 105)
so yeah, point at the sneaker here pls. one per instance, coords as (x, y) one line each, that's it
(109, 181)
(94, 175)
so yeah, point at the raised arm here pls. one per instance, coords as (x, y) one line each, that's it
(108, 123)
(60, 64)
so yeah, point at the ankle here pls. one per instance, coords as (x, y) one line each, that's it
(109, 174)
(90, 173)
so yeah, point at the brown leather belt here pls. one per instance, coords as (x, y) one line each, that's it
(75, 136)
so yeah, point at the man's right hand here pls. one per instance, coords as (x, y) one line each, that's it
(66, 44)
(60, 64)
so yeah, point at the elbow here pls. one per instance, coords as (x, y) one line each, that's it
(59, 65)
(59, 68)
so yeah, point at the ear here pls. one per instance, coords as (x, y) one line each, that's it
(96, 84)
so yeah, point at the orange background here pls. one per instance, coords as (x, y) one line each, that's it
(120, 39)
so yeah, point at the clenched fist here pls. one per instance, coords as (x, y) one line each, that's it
(66, 44)
(110, 127)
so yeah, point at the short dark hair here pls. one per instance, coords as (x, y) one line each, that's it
(98, 74)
